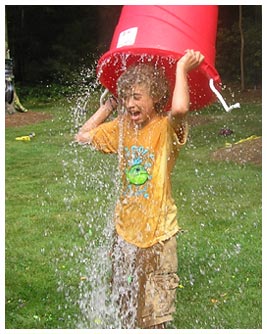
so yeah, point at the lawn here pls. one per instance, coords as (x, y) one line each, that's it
(59, 199)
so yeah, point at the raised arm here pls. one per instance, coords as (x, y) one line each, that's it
(180, 99)
(95, 120)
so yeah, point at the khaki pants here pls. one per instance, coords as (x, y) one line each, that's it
(144, 282)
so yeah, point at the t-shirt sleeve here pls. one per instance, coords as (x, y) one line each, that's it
(105, 137)
(175, 140)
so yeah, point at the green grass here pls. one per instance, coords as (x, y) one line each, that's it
(58, 196)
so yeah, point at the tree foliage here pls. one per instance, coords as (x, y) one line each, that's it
(229, 43)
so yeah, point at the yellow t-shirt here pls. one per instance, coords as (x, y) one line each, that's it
(145, 212)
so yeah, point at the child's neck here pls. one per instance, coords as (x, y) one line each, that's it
(149, 120)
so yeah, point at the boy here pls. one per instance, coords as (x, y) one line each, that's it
(147, 141)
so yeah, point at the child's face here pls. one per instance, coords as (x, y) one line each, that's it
(139, 105)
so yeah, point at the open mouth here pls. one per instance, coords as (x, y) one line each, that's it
(135, 115)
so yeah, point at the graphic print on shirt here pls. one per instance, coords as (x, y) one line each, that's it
(139, 161)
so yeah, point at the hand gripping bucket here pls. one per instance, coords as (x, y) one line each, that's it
(160, 35)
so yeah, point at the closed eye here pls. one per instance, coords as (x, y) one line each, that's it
(137, 96)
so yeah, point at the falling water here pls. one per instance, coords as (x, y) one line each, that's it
(84, 267)
(91, 187)
(91, 180)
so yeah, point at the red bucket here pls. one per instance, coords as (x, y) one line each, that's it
(160, 35)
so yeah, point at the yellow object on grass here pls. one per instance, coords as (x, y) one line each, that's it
(242, 140)
(26, 138)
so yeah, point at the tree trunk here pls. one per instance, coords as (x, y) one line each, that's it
(242, 75)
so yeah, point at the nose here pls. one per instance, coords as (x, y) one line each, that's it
(129, 102)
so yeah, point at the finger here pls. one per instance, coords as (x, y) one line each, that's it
(201, 58)
(189, 51)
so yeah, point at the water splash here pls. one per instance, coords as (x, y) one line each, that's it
(83, 266)
(89, 195)
(86, 283)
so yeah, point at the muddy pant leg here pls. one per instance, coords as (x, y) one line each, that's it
(157, 268)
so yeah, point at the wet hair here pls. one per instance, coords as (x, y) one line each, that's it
(152, 78)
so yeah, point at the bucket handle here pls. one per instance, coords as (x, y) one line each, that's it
(221, 99)
(103, 96)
